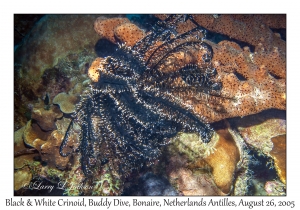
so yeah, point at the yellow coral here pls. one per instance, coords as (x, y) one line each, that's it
(217, 160)
(224, 160)
(279, 154)
(93, 71)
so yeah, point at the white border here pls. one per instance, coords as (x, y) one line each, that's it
(137, 7)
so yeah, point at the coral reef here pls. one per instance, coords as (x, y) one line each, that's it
(260, 135)
(130, 112)
(49, 150)
(46, 117)
(245, 84)
(41, 134)
(56, 43)
(118, 30)
(58, 49)
(66, 102)
(22, 174)
(37, 155)
(252, 29)
(279, 155)
(47, 144)
(251, 86)
(265, 133)
(32, 132)
(153, 114)
(223, 161)
(252, 82)
(217, 160)
(105, 27)
(19, 149)
(129, 34)
(22, 178)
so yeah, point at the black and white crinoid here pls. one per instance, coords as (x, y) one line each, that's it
(138, 102)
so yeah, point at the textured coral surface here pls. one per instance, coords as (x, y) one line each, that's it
(252, 81)
(279, 154)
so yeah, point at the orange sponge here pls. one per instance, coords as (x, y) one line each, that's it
(93, 71)
(105, 27)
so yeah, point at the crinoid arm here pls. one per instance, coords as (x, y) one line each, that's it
(142, 99)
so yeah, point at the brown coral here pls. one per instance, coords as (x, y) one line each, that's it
(195, 166)
(66, 102)
(49, 150)
(22, 178)
(46, 118)
(22, 154)
(105, 27)
(47, 144)
(118, 29)
(252, 82)
(256, 92)
(129, 33)
(247, 87)
(224, 160)
(258, 130)
(279, 154)
(253, 29)
(32, 132)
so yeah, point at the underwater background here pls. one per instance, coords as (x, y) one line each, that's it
(214, 86)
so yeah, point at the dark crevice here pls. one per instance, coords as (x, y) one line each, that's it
(281, 31)
(104, 48)
(217, 37)
(256, 119)
(143, 21)
(240, 76)
(264, 171)
(274, 75)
